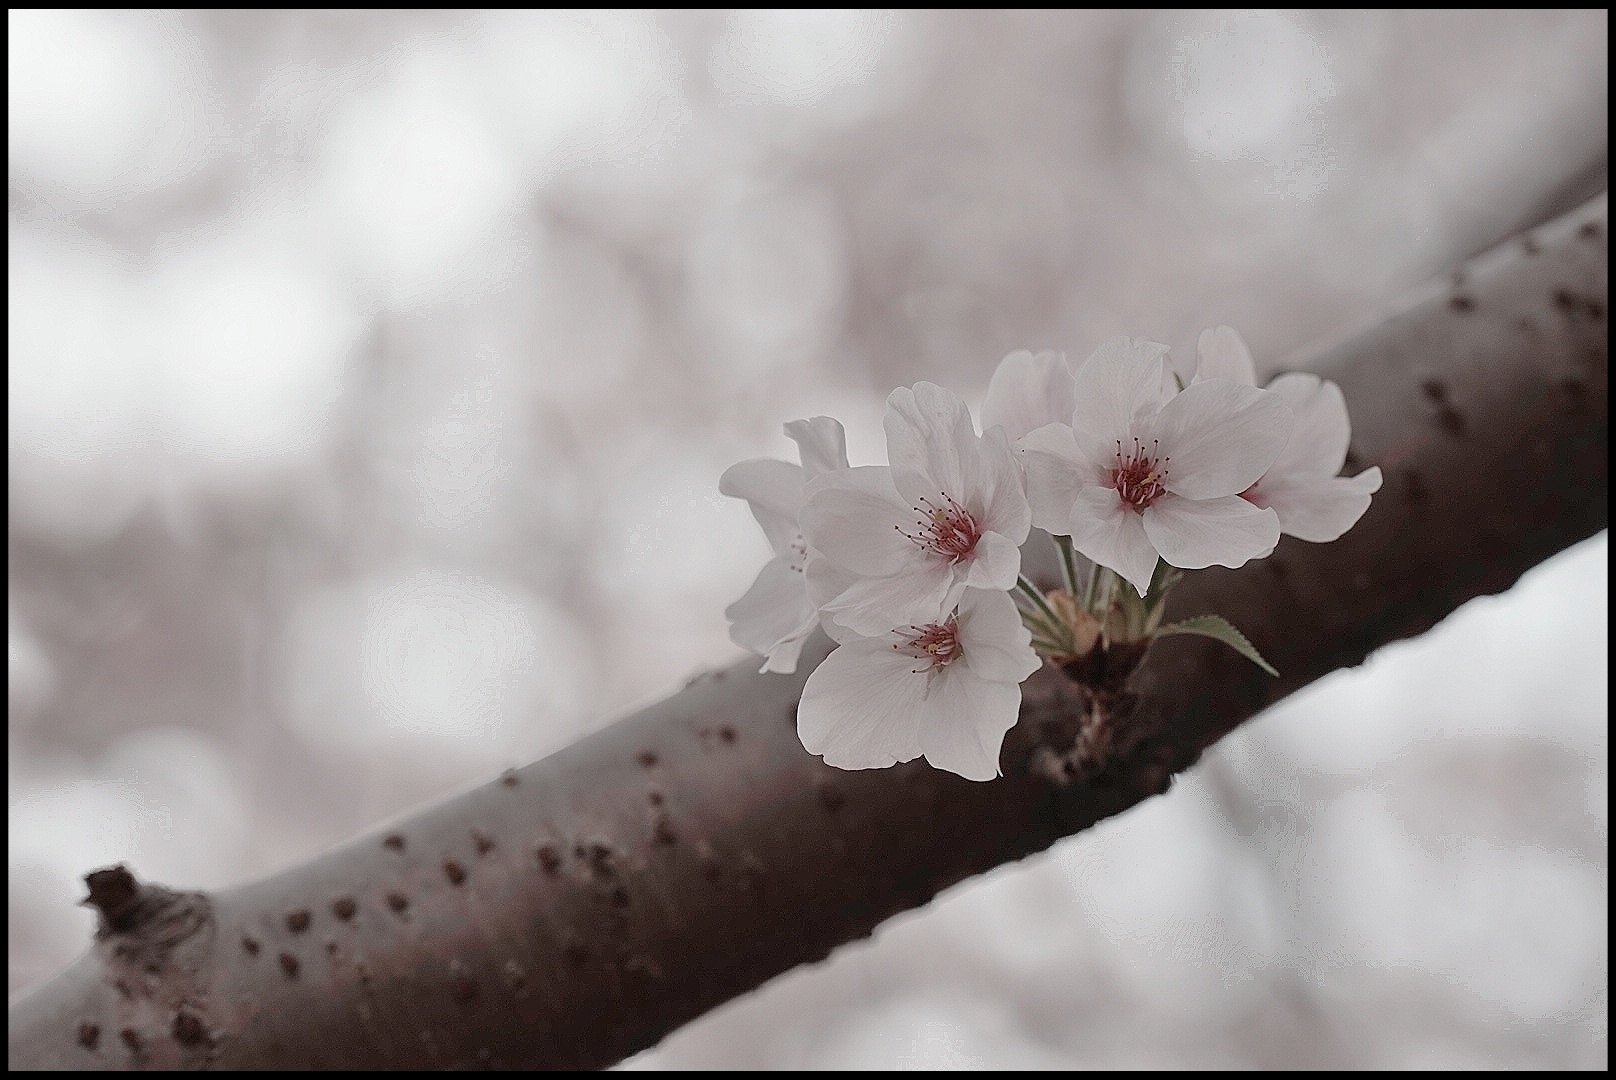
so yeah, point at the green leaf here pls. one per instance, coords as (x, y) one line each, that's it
(1218, 628)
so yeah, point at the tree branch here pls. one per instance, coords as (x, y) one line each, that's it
(577, 910)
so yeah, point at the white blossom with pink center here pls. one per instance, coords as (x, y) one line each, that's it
(897, 543)
(1143, 473)
(948, 689)
(776, 616)
(1313, 503)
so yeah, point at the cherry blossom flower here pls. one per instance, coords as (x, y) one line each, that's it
(775, 616)
(948, 689)
(1027, 392)
(1302, 487)
(898, 542)
(1143, 472)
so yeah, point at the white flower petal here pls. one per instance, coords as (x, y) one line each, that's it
(853, 516)
(826, 581)
(993, 642)
(1119, 386)
(1027, 392)
(1107, 531)
(773, 610)
(861, 708)
(1196, 533)
(931, 445)
(821, 444)
(963, 721)
(1320, 509)
(1221, 353)
(995, 563)
(782, 659)
(1003, 495)
(773, 489)
(872, 606)
(1318, 446)
(1218, 438)
(1055, 471)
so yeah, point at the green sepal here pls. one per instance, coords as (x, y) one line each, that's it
(1219, 629)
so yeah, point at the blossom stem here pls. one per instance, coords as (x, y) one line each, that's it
(1042, 619)
(1088, 591)
(1161, 582)
(1026, 607)
(1068, 561)
(1108, 582)
(1044, 647)
(1039, 625)
(1030, 591)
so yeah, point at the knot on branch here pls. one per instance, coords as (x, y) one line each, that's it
(1104, 670)
(116, 897)
(144, 922)
(1078, 745)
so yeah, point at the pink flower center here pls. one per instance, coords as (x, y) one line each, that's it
(936, 645)
(947, 530)
(1140, 477)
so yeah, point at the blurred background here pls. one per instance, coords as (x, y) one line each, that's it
(371, 375)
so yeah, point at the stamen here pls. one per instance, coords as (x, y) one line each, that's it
(936, 645)
(947, 530)
(1140, 478)
(799, 553)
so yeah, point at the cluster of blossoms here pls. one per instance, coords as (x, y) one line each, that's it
(914, 568)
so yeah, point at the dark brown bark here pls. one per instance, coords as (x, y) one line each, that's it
(575, 911)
